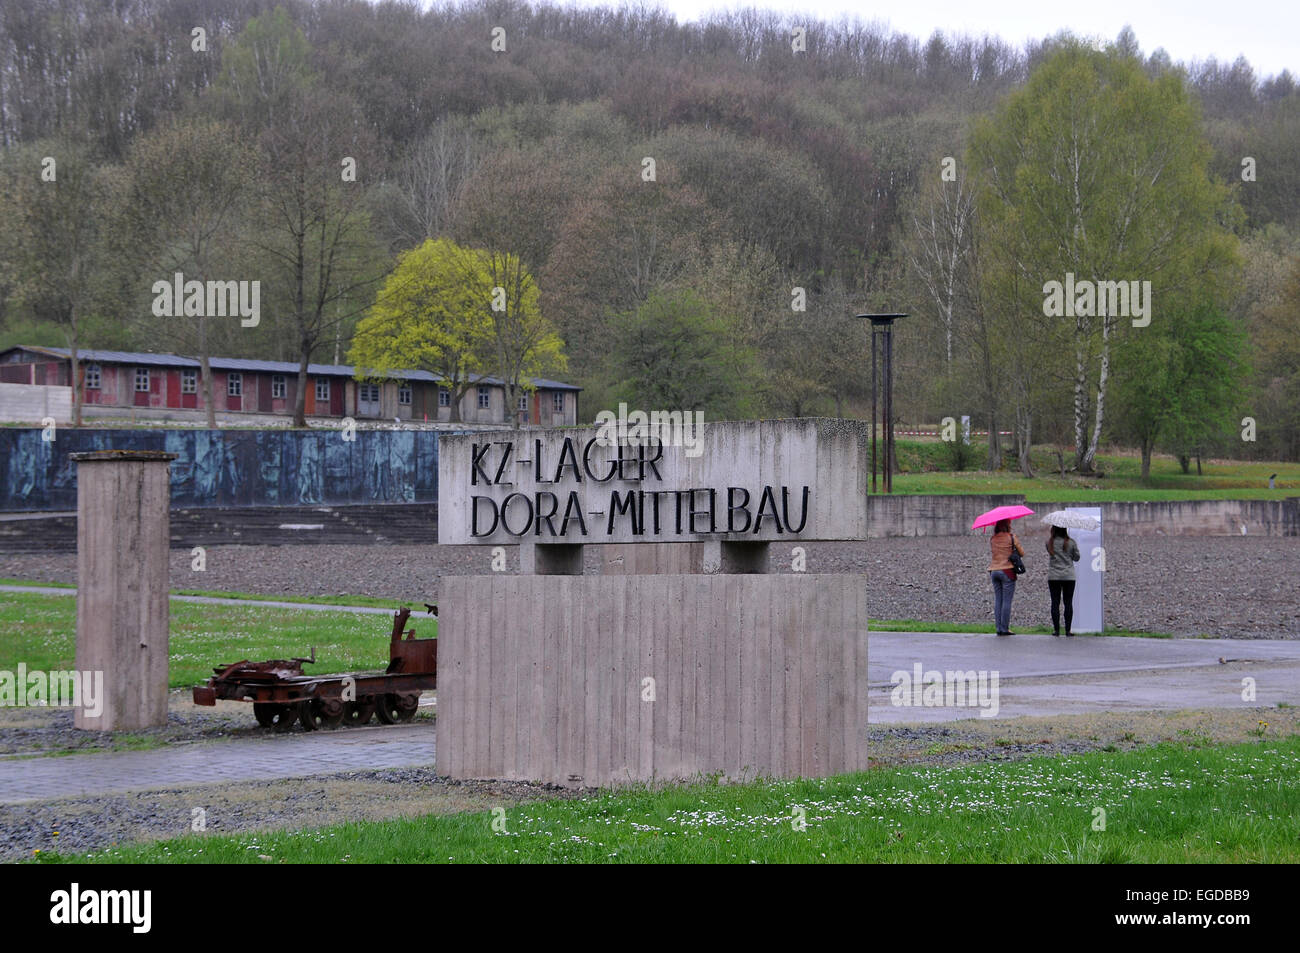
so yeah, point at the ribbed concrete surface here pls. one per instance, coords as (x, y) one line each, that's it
(544, 677)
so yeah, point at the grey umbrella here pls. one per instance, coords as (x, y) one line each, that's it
(1070, 520)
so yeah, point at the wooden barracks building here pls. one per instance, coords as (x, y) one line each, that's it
(163, 382)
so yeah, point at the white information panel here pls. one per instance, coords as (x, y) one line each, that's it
(1089, 572)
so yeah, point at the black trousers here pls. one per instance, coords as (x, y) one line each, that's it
(1059, 588)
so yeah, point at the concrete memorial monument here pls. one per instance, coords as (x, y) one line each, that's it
(559, 676)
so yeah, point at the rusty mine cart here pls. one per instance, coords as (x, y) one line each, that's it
(281, 694)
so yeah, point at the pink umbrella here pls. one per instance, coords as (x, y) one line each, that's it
(1001, 513)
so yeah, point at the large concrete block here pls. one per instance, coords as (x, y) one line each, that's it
(545, 677)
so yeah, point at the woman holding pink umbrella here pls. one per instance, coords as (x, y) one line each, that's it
(1005, 552)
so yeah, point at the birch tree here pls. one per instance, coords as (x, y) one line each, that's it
(1096, 171)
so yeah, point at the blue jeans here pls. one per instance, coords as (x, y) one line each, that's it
(1004, 590)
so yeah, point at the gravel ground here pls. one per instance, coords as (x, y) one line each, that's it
(1224, 586)
(94, 823)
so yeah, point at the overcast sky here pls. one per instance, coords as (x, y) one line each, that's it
(1266, 31)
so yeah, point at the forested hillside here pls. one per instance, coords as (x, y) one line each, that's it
(696, 210)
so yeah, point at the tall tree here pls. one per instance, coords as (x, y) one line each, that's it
(313, 220)
(675, 353)
(57, 199)
(185, 197)
(316, 233)
(1095, 170)
(1277, 337)
(425, 193)
(941, 244)
(265, 71)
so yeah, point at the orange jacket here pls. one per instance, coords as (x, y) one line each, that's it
(1001, 544)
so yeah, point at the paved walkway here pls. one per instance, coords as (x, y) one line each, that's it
(294, 755)
(1043, 675)
(1037, 675)
(218, 601)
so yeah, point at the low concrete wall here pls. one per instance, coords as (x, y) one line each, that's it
(1192, 517)
(32, 403)
(543, 677)
(899, 515)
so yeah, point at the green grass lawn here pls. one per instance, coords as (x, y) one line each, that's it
(374, 602)
(927, 469)
(1166, 804)
(40, 631)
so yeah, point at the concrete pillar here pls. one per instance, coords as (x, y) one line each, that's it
(123, 529)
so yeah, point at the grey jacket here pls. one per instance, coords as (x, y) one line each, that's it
(1061, 562)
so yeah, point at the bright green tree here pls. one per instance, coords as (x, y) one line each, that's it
(429, 315)
(524, 343)
(459, 313)
(1097, 170)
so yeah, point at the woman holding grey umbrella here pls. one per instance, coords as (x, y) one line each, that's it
(1062, 554)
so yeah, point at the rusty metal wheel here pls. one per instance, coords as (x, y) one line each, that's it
(356, 714)
(274, 715)
(393, 708)
(320, 713)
